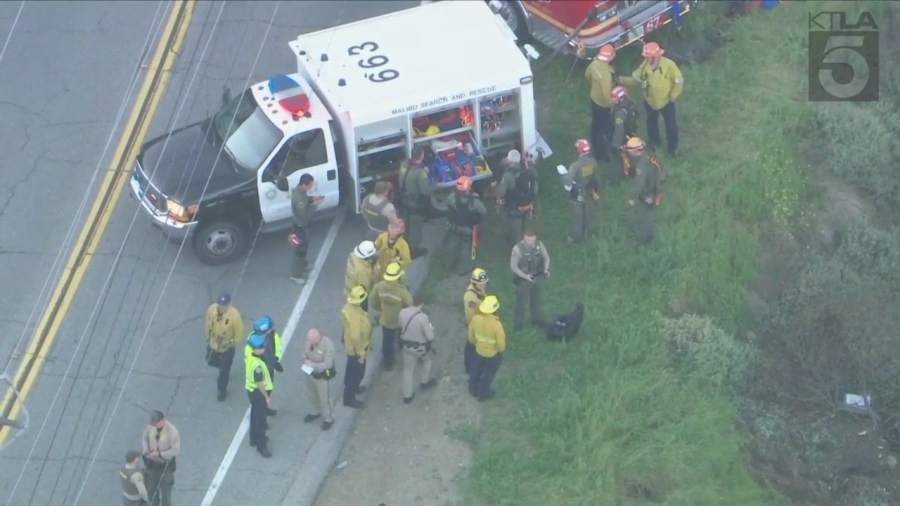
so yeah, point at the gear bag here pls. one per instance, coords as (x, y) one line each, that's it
(565, 327)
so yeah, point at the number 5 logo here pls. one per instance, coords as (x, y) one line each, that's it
(843, 66)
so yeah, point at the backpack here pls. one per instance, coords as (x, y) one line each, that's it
(564, 327)
(524, 190)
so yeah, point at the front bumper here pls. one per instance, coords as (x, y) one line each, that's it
(172, 229)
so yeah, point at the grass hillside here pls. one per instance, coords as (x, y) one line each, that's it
(641, 408)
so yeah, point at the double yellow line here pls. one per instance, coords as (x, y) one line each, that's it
(115, 180)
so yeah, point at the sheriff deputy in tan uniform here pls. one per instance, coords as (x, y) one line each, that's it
(161, 444)
(388, 297)
(361, 270)
(224, 331)
(132, 476)
(319, 355)
(472, 298)
(417, 339)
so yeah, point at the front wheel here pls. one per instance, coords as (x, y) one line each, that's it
(220, 241)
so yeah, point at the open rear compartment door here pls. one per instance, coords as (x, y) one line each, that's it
(507, 122)
(380, 150)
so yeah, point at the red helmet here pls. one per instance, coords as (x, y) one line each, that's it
(652, 50)
(463, 183)
(618, 94)
(607, 53)
(582, 146)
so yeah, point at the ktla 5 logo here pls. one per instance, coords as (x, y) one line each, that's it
(843, 58)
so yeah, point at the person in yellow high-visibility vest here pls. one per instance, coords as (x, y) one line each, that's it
(258, 382)
(487, 334)
(662, 83)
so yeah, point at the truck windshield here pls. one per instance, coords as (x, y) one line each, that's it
(249, 137)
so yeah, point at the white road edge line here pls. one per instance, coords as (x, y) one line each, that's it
(286, 339)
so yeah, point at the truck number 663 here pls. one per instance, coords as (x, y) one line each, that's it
(374, 61)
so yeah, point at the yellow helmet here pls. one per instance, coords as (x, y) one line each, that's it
(479, 275)
(634, 144)
(357, 295)
(392, 272)
(489, 305)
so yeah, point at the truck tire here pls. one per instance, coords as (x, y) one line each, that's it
(220, 241)
(515, 19)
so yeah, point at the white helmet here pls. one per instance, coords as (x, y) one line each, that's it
(366, 249)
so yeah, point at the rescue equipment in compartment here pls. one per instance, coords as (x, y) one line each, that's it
(492, 123)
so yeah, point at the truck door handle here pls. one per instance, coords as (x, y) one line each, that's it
(331, 174)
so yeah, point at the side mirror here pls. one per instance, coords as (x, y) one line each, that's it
(226, 95)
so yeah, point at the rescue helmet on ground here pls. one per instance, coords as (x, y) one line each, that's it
(607, 53)
(479, 275)
(489, 305)
(365, 250)
(634, 145)
(652, 50)
(392, 272)
(256, 341)
(463, 183)
(582, 146)
(263, 324)
(618, 94)
(357, 294)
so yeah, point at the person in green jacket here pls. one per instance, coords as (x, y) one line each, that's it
(415, 199)
(388, 297)
(625, 114)
(647, 193)
(582, 181)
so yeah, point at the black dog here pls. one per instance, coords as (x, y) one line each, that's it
(564, 327)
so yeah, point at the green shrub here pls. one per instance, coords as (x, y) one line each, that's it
(702, 348)
(863, 147)
(834, 332)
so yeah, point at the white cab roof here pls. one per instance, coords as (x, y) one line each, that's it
(288, 124)
(441, 51)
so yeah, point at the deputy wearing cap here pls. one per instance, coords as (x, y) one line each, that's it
(487, 334)
(357, 339)
(389, 296)
(472, 298)
(224, 331)
(258, 383)
(361, 270)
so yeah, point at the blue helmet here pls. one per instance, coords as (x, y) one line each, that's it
(263, 324)
(256, 340)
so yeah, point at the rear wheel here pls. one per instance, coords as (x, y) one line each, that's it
(220, 241)
(511, 12)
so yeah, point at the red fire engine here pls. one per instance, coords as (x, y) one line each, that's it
(582, 26)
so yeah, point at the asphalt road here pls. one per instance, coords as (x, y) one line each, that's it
(132, 340)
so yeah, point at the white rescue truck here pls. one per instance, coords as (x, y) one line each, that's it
(365, 93)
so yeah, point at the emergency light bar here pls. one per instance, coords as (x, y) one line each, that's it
(289, 95)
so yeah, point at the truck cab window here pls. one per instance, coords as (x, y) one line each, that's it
(301, 152)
